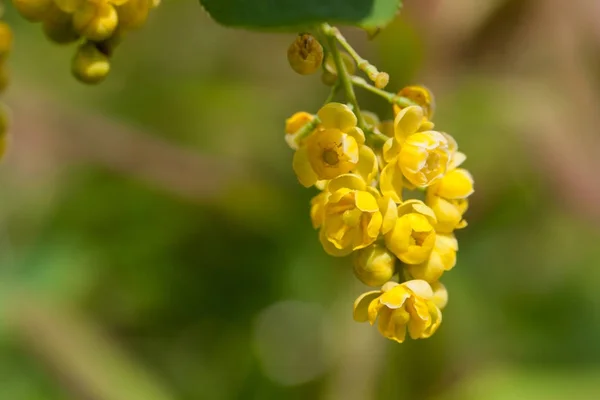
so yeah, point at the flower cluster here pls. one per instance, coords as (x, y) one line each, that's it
(391, 193)
(97, 25)
(6, 41)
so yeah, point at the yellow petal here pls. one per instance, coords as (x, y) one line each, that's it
(391, 149)
(337, 115)
(395, 298)
(436, 320)
(374, 227)
(365, 202)
(407, 122)
(346, 181)
(367, 164)
(302, 168)
(361, 305)
(357, 134)
(330, 247)
(457, 184)
(457, 159)
(389, 212)
(440, 295)
(391, 182)
(420, 288)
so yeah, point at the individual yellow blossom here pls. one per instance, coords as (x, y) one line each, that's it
(419, 95)
(332, 150)
(400, 307)
(424, 158)
(406, 123)
(352, 219)
(449, 213)
(413, 236)
(442, 258)
(440, 294)
(374, 265)
(447, 198)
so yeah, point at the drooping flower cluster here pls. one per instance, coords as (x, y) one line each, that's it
(97, 25)
(366, 172)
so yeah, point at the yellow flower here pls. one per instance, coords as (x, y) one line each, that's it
(406, 123)
(424, 158)
(413, 236)
(449, 213)
(419, 95)
(352, 219)
(333, 149)
(409, 305)
(374, 265)
(447, 198)
(442, 258)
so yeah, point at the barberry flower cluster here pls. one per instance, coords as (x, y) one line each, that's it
(6, 43)
(392, 192)
(97, 25)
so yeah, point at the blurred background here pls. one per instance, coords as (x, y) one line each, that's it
(155, 244)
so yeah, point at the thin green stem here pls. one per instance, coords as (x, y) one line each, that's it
(343, 76)
(363, 65)
(391, 97)
(334, 89)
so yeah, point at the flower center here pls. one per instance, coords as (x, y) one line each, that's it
(433, 162)
(331, 157)
(419, 237)
(352, 217)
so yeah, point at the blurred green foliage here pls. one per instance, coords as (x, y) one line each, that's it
(182, 286)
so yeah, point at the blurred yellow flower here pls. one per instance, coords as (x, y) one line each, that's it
(409, 305)
(442, 258)
(456, 184)
(421, 96)
(351, 216)
(413, 236)
(332, 150)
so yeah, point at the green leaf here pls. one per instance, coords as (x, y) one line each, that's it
(281, 14)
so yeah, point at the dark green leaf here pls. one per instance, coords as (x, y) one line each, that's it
(278, 14)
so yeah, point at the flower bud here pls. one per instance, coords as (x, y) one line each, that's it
(374, 265)
(305, 55)
(90, 65)
(33, 10)
(96, 20)
(421, 96)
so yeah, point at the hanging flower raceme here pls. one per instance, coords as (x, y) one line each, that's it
(371, 174)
